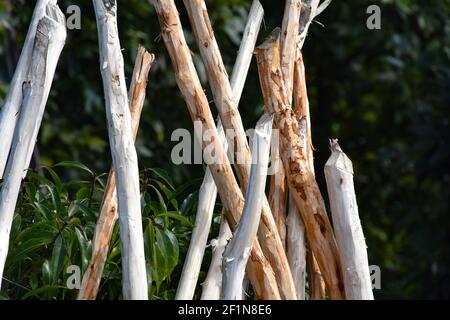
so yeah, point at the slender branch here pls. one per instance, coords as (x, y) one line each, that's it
(223, 97)
(289, 38)
(238, 250)
(108, 214)
(349, 234)
(123, 151)
(302, 184)
(261, 274)
(47, 47)
(212, 286)
(315, 279)
(311, 9)
(208, 189)
(296, 248)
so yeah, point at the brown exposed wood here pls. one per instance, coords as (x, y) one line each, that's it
(301, 102)
(108, 214)
(223, 97)
(302, 183)
(259, 270)
(315, 279)
(278, 195)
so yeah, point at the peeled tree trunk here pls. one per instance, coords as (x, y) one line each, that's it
(123, 152)
(348, 229)
(108, 214)
(296, 239)
(48, 44)
(208, 189)
(212, 286)
(11, 108)
(238, 250)
(296, 249)
(260, 272)
(302, 184)
(223, 97)
(315, 280)
(301, 102)
(289, 38)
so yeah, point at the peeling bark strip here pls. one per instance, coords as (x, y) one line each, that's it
(349, 234)
(260, 272)
(223, 97)
(11, 108)
(47, 47)
(108, 214)
(238, 250)
(302, 184)
(123, 152)
(208, 189)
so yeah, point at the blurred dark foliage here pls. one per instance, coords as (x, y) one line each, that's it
(384, 93)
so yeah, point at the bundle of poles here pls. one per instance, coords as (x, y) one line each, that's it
(282, 246)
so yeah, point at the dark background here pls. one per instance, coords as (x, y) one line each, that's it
(383, 93)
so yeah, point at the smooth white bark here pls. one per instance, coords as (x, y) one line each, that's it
(347, 226)
(238, 250)
(208, 189)
(11, 108)
(123, 152)
(296, 248)
(48, 44)
(212, 287)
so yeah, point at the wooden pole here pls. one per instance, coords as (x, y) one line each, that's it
(48, 44)
(296, 248)
(10, 111)
(347, 226)
(223, 97)
(261, 274)
(289, 38)
(212, 286)
(315, 280)
(238, 250)
(108, 214)
(302, 113)
(123, 152)
(208, 189)
(296, 239)
(302, 183)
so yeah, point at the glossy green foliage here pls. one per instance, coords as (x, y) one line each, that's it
(55, 222)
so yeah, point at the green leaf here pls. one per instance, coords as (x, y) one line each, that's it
(55, 178)
(163, 175)
(46, 273)
(177, 216)
(48, 289)
(59, 255)
(74, 165)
